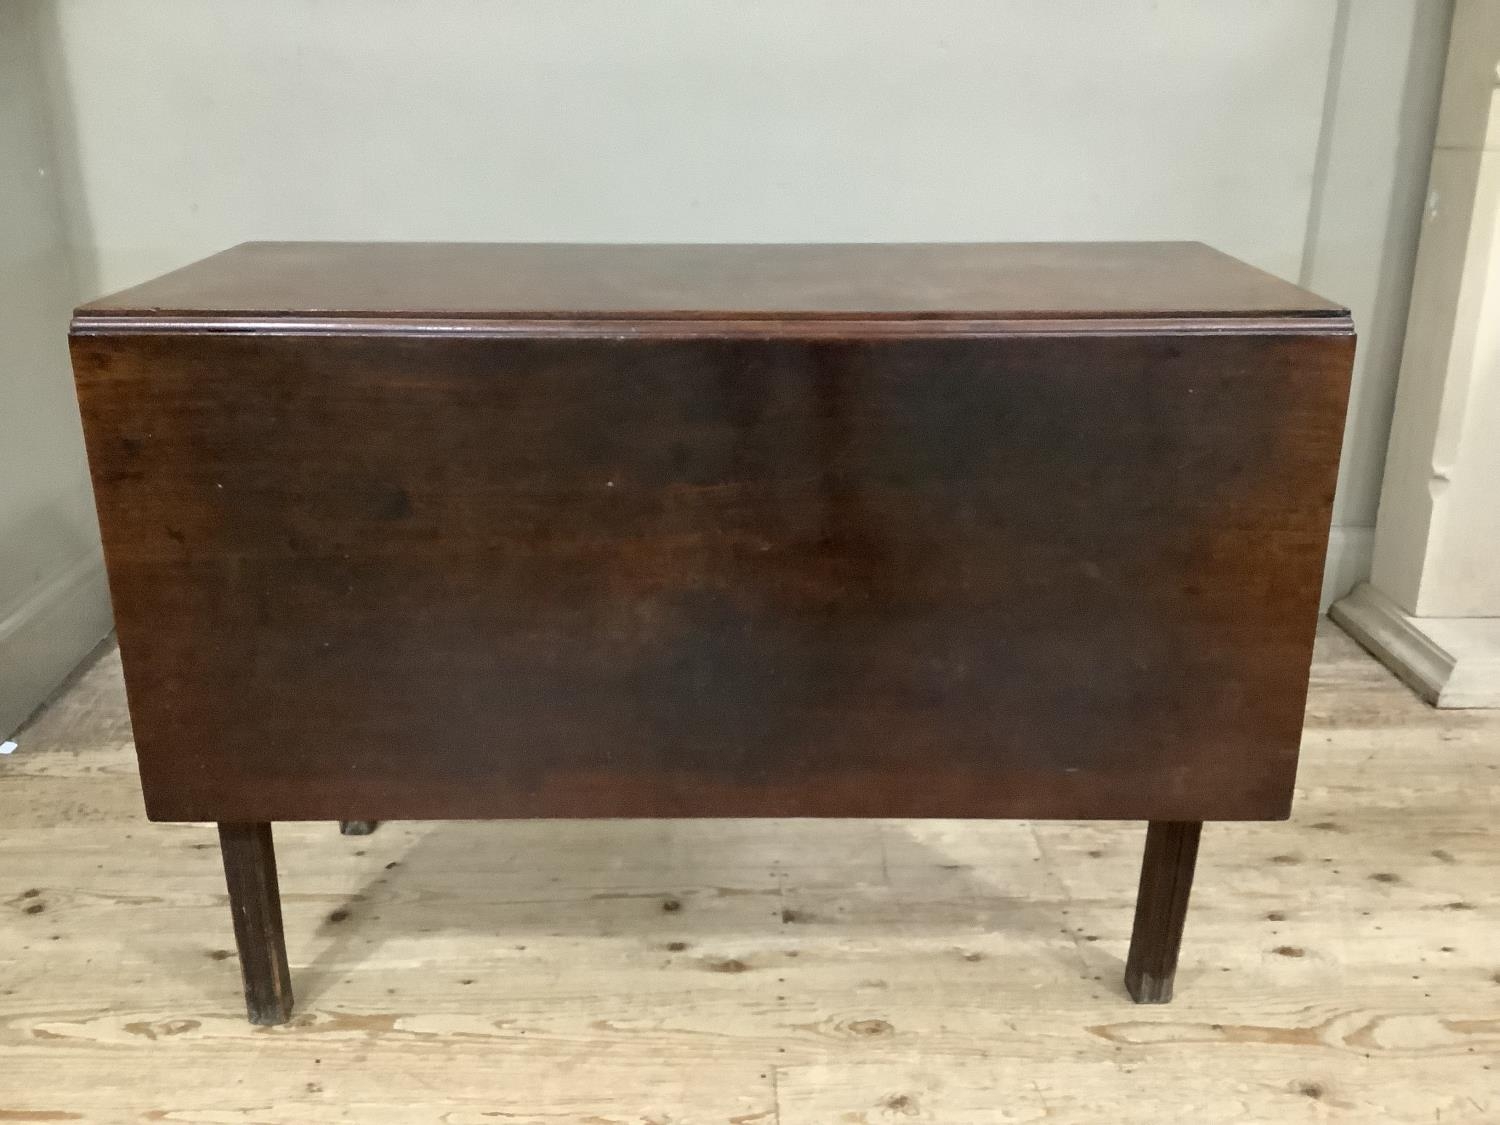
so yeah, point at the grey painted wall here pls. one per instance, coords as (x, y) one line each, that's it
(53, 605)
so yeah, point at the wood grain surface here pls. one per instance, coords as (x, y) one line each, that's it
(1340, 967)
(1161, 904)
(255, 904)
(499, 283)
(1070, 575)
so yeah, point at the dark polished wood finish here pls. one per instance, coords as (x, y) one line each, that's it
(496, 284)
(255, 904)
(1161, 909)
(436, 531)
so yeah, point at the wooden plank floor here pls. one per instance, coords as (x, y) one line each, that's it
(1342, 967)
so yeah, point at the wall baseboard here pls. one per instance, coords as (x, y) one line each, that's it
(1350, 550)
(43, 638)
(1448, 661)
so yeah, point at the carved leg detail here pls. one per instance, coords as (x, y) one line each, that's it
(255, 901)
(1161, 908)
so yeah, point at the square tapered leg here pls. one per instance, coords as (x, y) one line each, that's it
(1161, 909)
(255, 901)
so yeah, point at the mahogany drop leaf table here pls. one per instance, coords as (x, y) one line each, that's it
(407, 531)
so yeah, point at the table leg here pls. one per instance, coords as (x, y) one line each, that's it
(1161, 909)
(255, 902)
(357, 827)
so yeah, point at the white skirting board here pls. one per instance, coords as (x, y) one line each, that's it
(45, 636)
(1451, 662)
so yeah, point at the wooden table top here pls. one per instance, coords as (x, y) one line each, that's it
(405, 531)
(928, 282)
